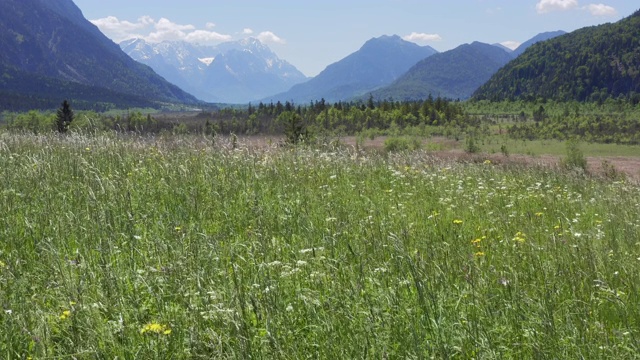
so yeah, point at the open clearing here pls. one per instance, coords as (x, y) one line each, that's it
(177, 248)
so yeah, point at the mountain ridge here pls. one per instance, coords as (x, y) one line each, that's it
(377, 63)
(451, 74)
(52, 40)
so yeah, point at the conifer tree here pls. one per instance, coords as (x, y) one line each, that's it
(64, 117)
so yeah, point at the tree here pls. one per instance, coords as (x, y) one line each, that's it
(64, 117)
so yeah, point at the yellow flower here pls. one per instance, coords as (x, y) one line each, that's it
(538, 214)
(457, 221)
(65, 315)
(476, 241)
(487, 162)
(155, 328)
(519, 237)
(479, 253)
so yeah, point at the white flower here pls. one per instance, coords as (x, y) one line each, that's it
(289, 308)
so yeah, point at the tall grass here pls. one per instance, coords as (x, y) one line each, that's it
(170, 248)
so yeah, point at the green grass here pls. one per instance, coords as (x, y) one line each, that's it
(555, 147)
(168, 248)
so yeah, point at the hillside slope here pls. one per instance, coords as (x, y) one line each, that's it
(52, 41)
(377, 63)
(453, 74)
(589, 64)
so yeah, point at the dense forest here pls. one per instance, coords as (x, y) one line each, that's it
(613, 121)
(590, 64)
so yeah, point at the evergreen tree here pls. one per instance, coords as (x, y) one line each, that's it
(64, 117)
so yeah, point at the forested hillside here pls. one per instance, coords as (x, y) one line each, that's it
(590, 64)
(453, 74)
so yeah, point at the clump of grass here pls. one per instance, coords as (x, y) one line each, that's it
(141, 247)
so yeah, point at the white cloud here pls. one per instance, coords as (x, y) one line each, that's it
(601, 10)
(268, 37)
(157, 31)
(247, 31)
(422, 37)
(547, 6)
(204, 37)
(511, 44)
(168, 30)
(120, 30)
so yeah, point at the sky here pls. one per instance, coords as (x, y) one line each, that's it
(314, 34)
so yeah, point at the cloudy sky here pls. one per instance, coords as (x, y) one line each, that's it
(314, 34)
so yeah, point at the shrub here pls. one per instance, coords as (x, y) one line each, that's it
(575, 157)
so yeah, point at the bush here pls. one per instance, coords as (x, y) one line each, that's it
(470, 145)
(394, 144)
(575, 157)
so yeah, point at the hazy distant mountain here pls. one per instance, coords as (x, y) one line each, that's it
(536, 39)
(378, 63)
(51, 52)
(233, 72)
(454, 74)
(589, 64)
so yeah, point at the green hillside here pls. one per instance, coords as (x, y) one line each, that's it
(454, 74)
(590, 64)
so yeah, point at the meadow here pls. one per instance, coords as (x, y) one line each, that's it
(179, 247)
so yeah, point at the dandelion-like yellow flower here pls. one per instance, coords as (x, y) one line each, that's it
(155, 328)
(539, 214)
(487, 162)
(65, 315)
(519, 237)
(479, 253)
(457, 221)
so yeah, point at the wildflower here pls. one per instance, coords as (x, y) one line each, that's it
(177, 228)
(155, 328)
(519, 237)
(457, 221)
(539, 214)
(65, 315)
(487, 162)
(479, 253)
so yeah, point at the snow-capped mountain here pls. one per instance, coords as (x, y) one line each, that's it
(232, 72)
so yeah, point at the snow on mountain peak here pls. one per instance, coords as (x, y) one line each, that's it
(207, 61)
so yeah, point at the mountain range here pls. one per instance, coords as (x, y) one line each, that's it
(377, 63)
(457, 73)
(453, 74)
(232, 72)
(51, 52)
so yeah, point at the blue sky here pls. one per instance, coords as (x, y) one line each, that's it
(312, 35)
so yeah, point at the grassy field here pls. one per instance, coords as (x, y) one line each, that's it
(176, 248)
